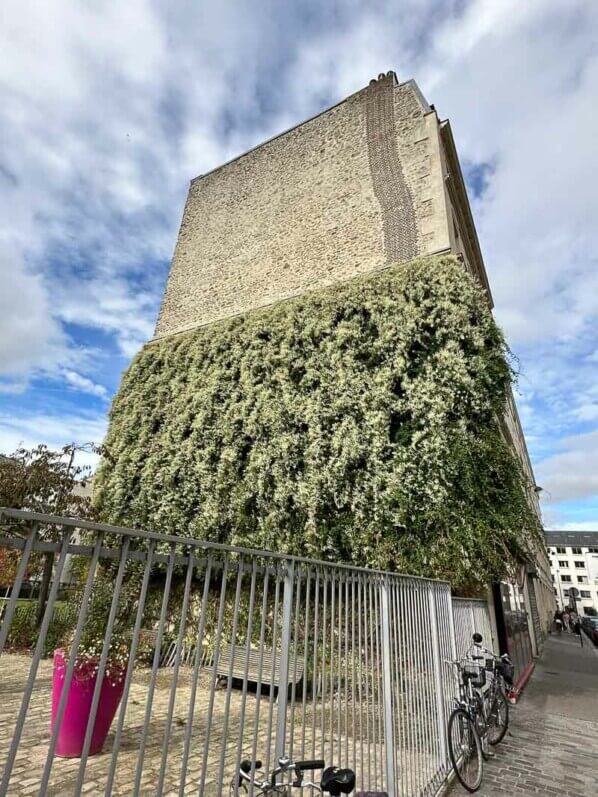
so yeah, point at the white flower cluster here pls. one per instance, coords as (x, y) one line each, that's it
(358, 423)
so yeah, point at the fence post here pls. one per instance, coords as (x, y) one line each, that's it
(285, 646)
(389, 743)
(437, 675)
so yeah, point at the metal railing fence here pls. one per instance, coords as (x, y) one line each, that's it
(337, 662)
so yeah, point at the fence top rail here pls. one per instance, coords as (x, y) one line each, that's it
(482, 601)
(123, 531)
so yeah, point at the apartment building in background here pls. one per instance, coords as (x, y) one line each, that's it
(574, 563)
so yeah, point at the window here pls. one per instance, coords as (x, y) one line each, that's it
(566, 579)
(561, 550)
(565, 593)
(552, 576)
(582, 579)
(585, 593)
(576, 550)
(580, 564)
(592, 550)
(563, 563)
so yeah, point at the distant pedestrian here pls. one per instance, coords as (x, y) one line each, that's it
(577, 629)
(566, 619)
(558, 621)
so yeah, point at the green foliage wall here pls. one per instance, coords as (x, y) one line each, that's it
(358, 423)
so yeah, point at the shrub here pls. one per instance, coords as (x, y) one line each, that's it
(360, 423)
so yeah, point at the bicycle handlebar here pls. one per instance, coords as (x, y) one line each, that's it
(310, 764)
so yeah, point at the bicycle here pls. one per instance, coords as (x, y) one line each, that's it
(464, 725)
(334, 781)
(495, 706)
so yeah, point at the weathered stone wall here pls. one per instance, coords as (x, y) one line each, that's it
(356, 188)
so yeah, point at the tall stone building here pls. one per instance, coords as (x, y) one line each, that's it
(369, 183)
(372, 181)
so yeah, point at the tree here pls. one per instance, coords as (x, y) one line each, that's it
(46, 481)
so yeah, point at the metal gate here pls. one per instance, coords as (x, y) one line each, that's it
(221, 654)
(470, 616)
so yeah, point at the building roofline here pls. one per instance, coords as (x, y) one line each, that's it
(457, 183)
(571, 537)
(388, 76)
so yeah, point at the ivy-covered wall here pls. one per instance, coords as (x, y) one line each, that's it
(358, 423)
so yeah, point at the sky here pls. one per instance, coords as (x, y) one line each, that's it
(108, 109)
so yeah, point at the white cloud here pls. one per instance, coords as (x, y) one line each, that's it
(572, 472)
(55, 431)
(84, 384)
(30, 336)
(108, 110)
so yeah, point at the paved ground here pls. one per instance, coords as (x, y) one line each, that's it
(552, 746)
(229, 721)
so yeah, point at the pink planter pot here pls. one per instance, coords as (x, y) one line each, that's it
(78, 705)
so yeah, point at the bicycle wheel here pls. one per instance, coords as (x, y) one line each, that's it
(465, 750)
(481, 724)
(499, 718)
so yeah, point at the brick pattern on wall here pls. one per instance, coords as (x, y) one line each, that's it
(388, 180)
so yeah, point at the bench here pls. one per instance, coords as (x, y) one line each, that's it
(242, 661)
(168, 655)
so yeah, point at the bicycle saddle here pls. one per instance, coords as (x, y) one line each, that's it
(338, 781)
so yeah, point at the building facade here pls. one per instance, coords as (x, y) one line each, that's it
(574, 564)
(372, 182)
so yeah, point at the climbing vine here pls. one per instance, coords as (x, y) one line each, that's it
(358, 423)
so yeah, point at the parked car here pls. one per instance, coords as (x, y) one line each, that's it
(590, 626)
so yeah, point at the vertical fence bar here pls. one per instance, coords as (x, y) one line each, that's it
(332, 626)
(37, 654)
(195, 677)
(305, 639)
(130, 665)
(258, 694)
(95, 701)
(155, 663)
(175, 671)
(437, 674)
(314, 675)
(410, 679)
(229, 680)
(68, 676)
(17, 584)
(379, 675)
(272, 668)
(285, 639)
(353, 683)
(248, 633)
(339, 670)
(323, 668)
(295, 657)
(362, 683)
(216, 658)
(387, 692)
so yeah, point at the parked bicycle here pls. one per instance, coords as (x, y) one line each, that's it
(334, 781)
(495, 706)
(465, 721)
(481, 716)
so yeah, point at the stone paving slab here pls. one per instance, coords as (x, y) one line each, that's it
(551, 748)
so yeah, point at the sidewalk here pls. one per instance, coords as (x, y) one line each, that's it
(551, 747)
